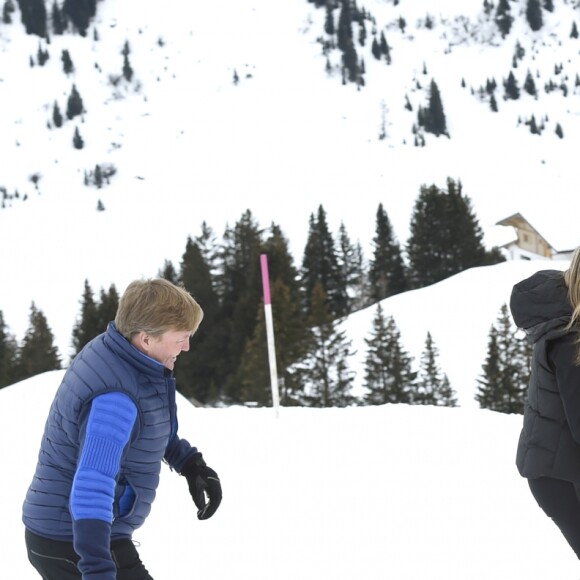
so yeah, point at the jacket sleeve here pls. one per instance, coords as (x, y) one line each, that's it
(109, 426)
(178, 450)
(562, 355)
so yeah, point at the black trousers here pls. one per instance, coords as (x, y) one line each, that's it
(55, 560)
(560, 500)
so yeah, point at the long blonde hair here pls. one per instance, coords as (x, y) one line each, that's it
(572, 280)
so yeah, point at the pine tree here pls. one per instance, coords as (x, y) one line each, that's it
(432, 385)
(445, 238)
(58, 19)
(8, 349)
(33, 14)
(375, 49)
(169, 272)
(127, 69)
(534, 14)
(402, 24)
(350, 62)
(68, 68)
(198, 370)
(350, 266)
(345, 42)
(4, 355)
(359, 288)
(490, 86)
(86, 326)
(56, 115)
(241, 287)
(387, 275)
(503, 17)
(325, 371)
(519, 53)
(78, 142)
(107, 307)
(210, 251)
(37, 353)
(574, 31)
(7, 11)
(433, 118)
(385, 49)
(503, 385)
(388, 374)
(74, 105)
(344, 26)
(281, 264)
(42, 55)
(320, 264)
(489, 394)
(530, 85)
(80, 12)
(94, 315)
(362, 32)
(512, 89)
(329, 27)
(213, 336)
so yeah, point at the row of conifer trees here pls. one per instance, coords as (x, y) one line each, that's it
(390, 375)
(228, 360)
(75, 15)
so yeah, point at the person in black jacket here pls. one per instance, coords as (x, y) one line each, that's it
(547, 306)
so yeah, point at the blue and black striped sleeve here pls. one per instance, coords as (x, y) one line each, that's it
(109, 426)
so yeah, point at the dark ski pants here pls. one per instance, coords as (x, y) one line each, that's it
(55, 560)
(560, 500)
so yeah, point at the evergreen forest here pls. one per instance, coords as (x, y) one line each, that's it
(228, 360)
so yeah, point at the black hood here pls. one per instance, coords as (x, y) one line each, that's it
(540, 303)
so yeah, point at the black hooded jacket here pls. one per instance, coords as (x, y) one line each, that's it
(549, 443)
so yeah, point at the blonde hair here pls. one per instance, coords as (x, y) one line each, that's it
(155, 306)
(572, 280)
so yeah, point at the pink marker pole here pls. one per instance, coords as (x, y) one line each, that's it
(265, 279)
(270, 332)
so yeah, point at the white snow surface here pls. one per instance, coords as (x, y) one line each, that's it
(394, 491)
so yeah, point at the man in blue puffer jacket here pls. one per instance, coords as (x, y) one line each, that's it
(111, 424)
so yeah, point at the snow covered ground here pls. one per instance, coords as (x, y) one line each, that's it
(389, 492)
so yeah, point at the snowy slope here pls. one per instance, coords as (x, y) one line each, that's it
(392, 491)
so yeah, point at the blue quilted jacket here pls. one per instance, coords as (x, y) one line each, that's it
(109, 365)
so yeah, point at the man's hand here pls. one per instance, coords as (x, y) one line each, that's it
(203, 481)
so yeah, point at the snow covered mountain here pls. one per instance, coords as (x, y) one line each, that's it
(188, 144)
(238, 105)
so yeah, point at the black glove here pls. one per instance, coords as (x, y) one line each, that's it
(202, 481)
